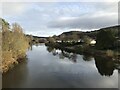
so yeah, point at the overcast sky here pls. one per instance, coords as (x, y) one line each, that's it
(49, 18)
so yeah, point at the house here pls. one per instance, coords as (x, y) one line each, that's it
(58, 41)
(92, 42)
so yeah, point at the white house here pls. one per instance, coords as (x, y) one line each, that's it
(58, 41)
(93, 42)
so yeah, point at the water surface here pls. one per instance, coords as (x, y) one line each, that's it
(46, 67)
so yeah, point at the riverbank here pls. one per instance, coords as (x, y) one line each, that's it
(13, 47)
(8, 62)
(85, 49)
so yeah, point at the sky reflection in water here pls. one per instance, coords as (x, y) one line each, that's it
(50, 68)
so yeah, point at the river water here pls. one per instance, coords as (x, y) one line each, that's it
(46, 67)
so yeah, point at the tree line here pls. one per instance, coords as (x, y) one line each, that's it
(106, 38)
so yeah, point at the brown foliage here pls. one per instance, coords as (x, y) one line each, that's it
(14, 45)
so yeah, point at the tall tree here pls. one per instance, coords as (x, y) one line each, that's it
(105, 40)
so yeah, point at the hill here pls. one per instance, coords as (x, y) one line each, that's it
(113, 29)
(92, 34)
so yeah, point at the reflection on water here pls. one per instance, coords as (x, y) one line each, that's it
(104, 66)
(62, 54)
(16, 76)
(87, 57)
(47, 67)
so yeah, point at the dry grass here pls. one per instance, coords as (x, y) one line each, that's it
(7, 61)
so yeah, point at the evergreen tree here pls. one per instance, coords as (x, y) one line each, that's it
(105, 40)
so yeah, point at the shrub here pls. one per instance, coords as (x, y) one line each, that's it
(7, 60)
(110, 53)
(14, 45)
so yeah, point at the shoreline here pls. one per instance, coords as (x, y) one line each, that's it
(11, 64)
(90, 51)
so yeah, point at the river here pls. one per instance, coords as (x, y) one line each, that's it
(50, 68)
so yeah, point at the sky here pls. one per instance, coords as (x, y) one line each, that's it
(53, 18)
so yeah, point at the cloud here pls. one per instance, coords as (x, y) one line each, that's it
(0, 10)
(85, 22)
(9, 8)
(100, 15)
(54, 18)
(59, 1)
(45, 33)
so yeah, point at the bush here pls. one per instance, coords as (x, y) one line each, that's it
(7, 61)
(14, 45)
(110, 53)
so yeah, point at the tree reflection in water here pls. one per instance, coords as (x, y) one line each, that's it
(104, 66)
(50, 49)
(34, 44)
(70, 56)
(18, 75)
(62, 54)
(87, 57)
